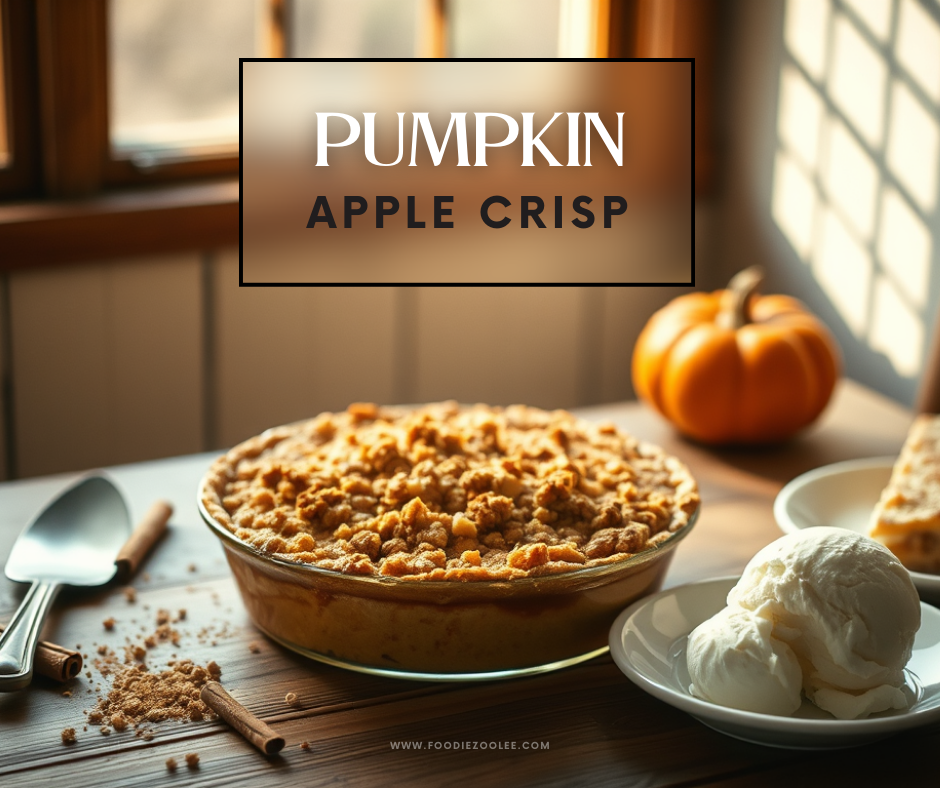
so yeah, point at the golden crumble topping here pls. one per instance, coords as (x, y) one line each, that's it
(449, 493)
(906, 518)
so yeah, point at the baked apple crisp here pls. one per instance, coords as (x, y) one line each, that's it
(443, 492)
(906, 518)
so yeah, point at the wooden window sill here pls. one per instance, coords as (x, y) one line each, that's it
(118, 224)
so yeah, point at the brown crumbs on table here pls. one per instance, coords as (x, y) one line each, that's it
(305, 745)
(135, 694)
(171, 764)
(108, 623)
(192, 567)
(139, 696)
(67, 694)
(192, 760)
(291, 698)
(68, 736)
(254, 647)
(130, 593)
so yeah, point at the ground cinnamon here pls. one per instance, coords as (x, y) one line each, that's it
(56, 662)
(242, 720)
(138, 696)
(141, 541)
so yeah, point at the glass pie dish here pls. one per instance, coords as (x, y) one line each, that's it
(440, 630)
(446, 541)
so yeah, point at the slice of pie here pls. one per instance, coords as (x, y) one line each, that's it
(907, 517)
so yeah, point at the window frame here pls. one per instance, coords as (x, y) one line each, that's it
(73, 51)
(21, 177)
(66, 198)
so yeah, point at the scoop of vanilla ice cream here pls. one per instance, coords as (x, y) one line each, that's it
(841, 603)
(734, 661)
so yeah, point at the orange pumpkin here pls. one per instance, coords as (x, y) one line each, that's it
(734, 367)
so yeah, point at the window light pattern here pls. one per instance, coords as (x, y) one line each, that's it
(857, 165)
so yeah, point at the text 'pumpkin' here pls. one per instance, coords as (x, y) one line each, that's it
(734, 367)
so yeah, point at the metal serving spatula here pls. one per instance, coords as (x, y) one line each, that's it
(73, 541)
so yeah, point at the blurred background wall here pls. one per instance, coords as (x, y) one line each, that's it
(821, 164)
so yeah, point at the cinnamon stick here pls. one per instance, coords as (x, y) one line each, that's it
(242, 720)
(55, 662)
(141, 541)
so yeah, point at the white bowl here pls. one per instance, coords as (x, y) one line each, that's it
(842, 495)
(648, 641)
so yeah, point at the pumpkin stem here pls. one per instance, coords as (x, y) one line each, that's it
(735, 310)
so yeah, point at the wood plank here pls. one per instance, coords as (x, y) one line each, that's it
(747, 523)
(258, 672)
(608, 722)
(73, 84)
(107, 363)
(283, 354)
(119, 224)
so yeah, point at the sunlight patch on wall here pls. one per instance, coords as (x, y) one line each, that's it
(875, 16)
(904, 248)
(843, 268)
(896, 329)
(805, 34)
(918, 48)
(913, 143)
(801, 113)
(857, 80)
(793, 203)
(857, 162)
(851, 179)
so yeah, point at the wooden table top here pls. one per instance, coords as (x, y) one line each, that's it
(592, 726)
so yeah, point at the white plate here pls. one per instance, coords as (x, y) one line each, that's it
(648, 640)
(843, 495)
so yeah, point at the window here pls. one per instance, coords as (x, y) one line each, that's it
(170, 96)
(98, 97)
(133, 92)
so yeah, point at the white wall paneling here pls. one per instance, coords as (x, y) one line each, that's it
(106, 363)
(287, 353)
(133, 359)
